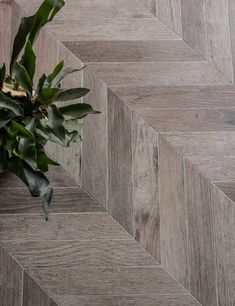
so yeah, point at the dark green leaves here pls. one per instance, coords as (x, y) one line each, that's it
(10, 104)
(79, 110)
(22, 78)
(72, 94)
(2, 75)
(28, 60)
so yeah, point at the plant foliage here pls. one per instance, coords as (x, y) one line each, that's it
(29, 117)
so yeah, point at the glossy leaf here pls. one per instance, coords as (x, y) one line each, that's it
(29, 60)
(2, 75)
(49, 80)
(78, 111)
(63, 73)
(22, 78)
(10, 104)
(72, 94)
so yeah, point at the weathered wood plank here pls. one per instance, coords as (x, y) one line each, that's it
(150, 5)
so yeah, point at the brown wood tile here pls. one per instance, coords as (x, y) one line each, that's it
(133, 51)
(65, 200)
(69, 254)
(228, 188)
(60, 227)
(94, 29)
(157, 74)
(118, 280)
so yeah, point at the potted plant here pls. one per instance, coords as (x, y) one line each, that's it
(29, 116)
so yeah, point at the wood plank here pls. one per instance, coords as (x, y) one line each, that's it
(177, 97)
(65, 200)
(93, 29)
(145, 184)
(118, 281)
(5, 30)
(150, 5)
(169, 11)
(120, 187)
(133, 51)
(33, 294)
(228, 188)
(174, 246)
(105, 300)
(94, 158)
(11, 277)
(190, 120)
(60, 227)
(194, 25)
(69, 254)
(231, 12)
(157, 74)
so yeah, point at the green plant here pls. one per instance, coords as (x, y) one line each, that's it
(29, 117)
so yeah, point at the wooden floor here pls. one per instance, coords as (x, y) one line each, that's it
(81, 256)
(159, 159)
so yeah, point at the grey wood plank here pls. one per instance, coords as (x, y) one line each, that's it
(104, 9)
(118, 281)
(174, 245)
(11, 280)
(169, 11)
(176, 97)
(190, 120)
(94, 29)
(150, 5)
(65, 200)
(69, 254)
(60, 227)
(218, 43)
(145, 185)
(157, 74)
(104, 300)
(231, 13)
(94, 157)
(57, 176)
(203, 144)
(133, 51)
(228, 188)
(33, 293)
(5, 30)
(194, 24)
(120, 188)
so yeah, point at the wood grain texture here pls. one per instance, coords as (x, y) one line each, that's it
(104, 300)
(168, 97)
(118, 281)
(94, 158)
(94, 29)
(169, 11)
(5, 30)
(228, 188)
(120, 192)
(65, 200)
(190, 120)
(133, 51)
(149, 4)
(85, 253)
(33, 294)
(231, 14)
(145, 185)
(60, 227)
(157, 74)
(174, 247)
(11, 277)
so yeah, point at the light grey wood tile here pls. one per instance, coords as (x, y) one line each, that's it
(145, 185)
(56, 175)
(65, 200)
(94, 29)
(218, 44)
(60, 227)
(33, 293)
(120, 190)
(69, 254)
(149, 4)
(231, 12)
(174, 247)
(5, 31)
(190, 120)
(133, 51)
(11, 280)
(94, 159)
(177, 97)
(104, 9)
(169, 11)
(211, 143)
(228, 188)
(104, 300)
(118, 280)
(194, 24)
(157, 74)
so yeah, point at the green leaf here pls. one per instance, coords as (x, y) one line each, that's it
(40, 85)
(43, 160)
(5, 117)
(74, 129)
(51, 77)
(22, 78)
(10, 104)
(29, 60)
(63, 73)
(2, 75)
(25, 27)
(72, 94)
(49, 95)
(78, 111)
